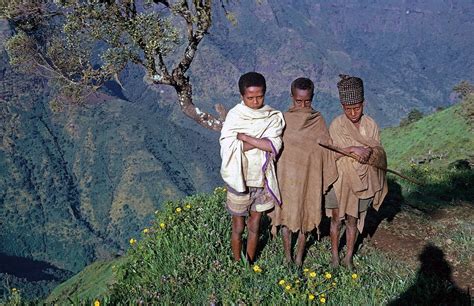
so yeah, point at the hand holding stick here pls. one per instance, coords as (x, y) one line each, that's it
(354, 156)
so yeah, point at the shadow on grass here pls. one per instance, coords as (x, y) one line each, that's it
(390, 207)
(265, 234)
(443, 187)
(433, 284)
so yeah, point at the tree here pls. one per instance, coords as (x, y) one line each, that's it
(79, 45)
(413, 116)
(464, 89)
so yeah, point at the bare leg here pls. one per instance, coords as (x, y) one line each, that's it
(351, 235)
(253, 226)
(300, 249)
(334, 233)
(286, 235)
(238, 225)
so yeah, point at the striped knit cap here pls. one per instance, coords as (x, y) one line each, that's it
(351, 90)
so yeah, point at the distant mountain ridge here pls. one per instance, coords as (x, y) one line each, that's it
(410, 54)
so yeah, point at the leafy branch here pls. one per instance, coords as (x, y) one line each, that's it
(61, 41)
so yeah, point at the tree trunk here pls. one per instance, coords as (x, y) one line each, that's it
(184, 91)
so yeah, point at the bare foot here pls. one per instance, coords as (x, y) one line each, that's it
(288, 260)
(299, 262)
(348, 263)
(335, 261)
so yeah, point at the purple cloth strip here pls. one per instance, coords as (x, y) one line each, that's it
(274, 151)
(264, 170)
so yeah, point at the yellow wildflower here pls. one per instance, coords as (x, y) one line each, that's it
(327, 275)
(288, 287)
(257, 269)
(178, 210)
(96, 303)
(162, 225)
(145, 231)
(322, 300)
(354, 276)
(188, 206)
(334, 284)
(311, 297)
(132, 241)
(281, 282)
(305, 270)
(312, 274)
(322, 295)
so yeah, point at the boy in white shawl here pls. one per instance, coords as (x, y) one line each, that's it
(250, 140)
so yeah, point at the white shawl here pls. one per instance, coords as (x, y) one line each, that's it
(238, 167)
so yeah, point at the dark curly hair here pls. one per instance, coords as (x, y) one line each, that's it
(252, 79)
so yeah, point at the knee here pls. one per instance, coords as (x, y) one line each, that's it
(336, 222)
(351, 221)
(238, 228)
(254, 224)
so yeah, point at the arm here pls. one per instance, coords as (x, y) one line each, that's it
(252, 143)
(363, 153)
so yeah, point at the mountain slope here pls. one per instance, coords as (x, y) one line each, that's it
(75, 184)
(442, 137)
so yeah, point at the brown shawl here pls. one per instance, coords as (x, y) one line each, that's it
(358, 181)
(305, 171)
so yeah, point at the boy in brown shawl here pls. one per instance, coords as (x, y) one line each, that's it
(305, 170)
(359, 184)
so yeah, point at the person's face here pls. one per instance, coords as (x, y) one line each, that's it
(254, 97)
(302, 98)
(354, 112)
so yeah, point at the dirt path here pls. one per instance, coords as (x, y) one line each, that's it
(408, 231)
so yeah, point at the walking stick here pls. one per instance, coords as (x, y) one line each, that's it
(352, 155)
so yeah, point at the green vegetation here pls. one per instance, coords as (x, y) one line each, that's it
(92, 281)
(437, 151)
(442, 138)
(60, 41)
(413, 116)
(185, 257)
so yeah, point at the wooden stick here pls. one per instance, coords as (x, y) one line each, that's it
(352, 155)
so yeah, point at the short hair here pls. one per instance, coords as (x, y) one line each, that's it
(250, 79)
(303, 84)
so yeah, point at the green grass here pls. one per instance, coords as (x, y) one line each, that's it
(443, 133)
(184, 257)
(188, 261)
(93, 281)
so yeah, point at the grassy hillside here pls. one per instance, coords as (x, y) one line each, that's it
(184, 257)
(445, 136)
(92, 281)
